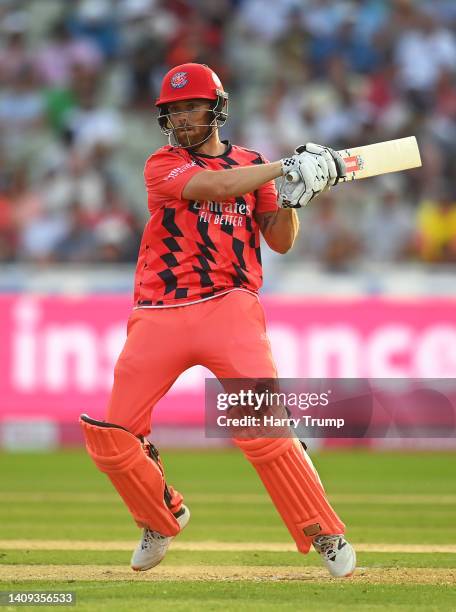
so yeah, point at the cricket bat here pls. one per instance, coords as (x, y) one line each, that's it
(375, 159)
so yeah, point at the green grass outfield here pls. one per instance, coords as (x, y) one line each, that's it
(63, 528)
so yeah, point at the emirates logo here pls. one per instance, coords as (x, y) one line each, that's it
(179, 80)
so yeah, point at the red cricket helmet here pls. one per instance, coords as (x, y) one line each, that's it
(187, 82)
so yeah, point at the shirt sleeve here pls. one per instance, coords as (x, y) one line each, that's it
(165, 175)
(266, 196)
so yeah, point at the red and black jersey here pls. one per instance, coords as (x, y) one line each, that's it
(194, 250)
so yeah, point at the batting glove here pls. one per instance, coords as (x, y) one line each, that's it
(336, 165)
(311, 170)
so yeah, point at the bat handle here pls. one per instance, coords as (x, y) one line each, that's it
(292, 177)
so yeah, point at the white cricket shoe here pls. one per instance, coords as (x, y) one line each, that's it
(338, 555)
(153, 545)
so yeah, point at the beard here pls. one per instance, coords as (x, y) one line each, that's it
(189, 136)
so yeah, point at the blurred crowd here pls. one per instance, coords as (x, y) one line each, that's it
(77, 121)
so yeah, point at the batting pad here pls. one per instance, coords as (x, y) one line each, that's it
(294, 487)
(138, 477)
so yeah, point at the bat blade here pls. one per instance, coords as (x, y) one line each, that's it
(381, 158)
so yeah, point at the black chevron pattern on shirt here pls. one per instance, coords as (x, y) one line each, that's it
(203, 230)
(206, 252)
(172, 245)
(170, 260)
(238, 248)
(169, 223)
(169, 279)
(203, 271)
(240, 276)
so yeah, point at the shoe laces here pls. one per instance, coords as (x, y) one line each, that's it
(326, 545)
(150, 538)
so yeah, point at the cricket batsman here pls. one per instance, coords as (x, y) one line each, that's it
(196, 303)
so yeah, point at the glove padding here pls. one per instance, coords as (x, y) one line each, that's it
(336, 165)
(311, 170)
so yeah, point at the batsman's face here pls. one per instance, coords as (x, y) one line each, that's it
(190, 120)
